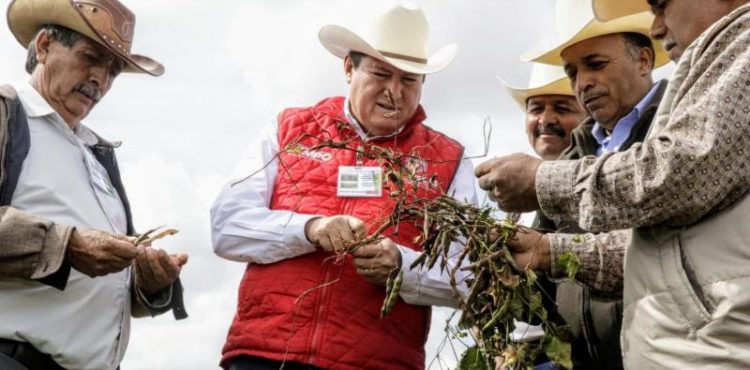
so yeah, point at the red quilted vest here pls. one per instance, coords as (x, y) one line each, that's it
(312, 309)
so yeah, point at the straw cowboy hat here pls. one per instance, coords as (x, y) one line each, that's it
(607, 10)
(545, 80)
(107, 22)
(576, 23)
(399, 37)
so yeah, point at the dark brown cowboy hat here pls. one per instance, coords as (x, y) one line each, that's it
(107, 22)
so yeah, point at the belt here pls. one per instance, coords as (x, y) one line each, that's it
(28, 356)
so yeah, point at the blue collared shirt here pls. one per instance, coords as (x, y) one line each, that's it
(613, 142)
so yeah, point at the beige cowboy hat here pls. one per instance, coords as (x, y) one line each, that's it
(107, 22)
(399, 37)
(545, 80)
(576, 23)
(606, 10)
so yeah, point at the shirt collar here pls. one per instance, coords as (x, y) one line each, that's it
(646, 101)
(358, 126)
(623, 127)
(87, 135)
(33, 102)
(37, 107)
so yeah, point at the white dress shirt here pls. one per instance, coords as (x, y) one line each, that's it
(523, 331)
(245, 229)
(86, 325)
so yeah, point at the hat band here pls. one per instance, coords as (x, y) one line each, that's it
(403, 57)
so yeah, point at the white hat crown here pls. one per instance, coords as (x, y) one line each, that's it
(572, 16)
(545, 79)
(400, 37)
(607, 10)
(576, 22)
(544, 74)
(387, 32)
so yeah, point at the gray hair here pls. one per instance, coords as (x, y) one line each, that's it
(635, 43)
(61, 34)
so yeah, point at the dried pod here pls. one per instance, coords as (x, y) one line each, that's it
(393, 288)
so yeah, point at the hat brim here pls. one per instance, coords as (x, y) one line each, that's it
(606, 10)
(26, 17)
(637, 23)
(341, 41)
(521, 95)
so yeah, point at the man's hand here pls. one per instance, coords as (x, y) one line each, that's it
(376, 261)
(530, 249)
(511, 181)
(336, 233)
(96, 253)
(155, 269)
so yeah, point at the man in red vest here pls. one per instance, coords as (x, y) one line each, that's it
(304, 303)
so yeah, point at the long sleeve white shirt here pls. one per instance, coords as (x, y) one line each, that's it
(244, 229)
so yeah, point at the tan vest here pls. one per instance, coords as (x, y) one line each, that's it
(687, 290)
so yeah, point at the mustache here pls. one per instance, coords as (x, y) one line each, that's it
(549, 130)
(90, 90)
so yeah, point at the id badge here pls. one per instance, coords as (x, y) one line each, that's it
(98, 174)
(360, 181)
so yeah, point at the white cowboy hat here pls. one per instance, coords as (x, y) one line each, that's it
(576, 23)
(398, 37)
(606, 10)
(545, 80)
(107, 22)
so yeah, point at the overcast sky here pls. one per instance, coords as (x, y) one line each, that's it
(231, 65)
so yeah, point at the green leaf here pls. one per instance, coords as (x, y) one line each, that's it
(536, 308)
(507, 224)
(570, 264)
(472, 360)
(530, 277)
(557, 351)
(578, 238)
(499, 312)
(516, 307)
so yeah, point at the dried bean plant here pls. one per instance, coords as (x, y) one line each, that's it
(500, 292)
(147, 238)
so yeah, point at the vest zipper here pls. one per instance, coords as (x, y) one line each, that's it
(319, 315)
(360, 156)
(324, 292)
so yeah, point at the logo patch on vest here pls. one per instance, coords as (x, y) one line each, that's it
(316, 155)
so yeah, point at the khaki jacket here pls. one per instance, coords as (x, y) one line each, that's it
(594, 318)
(687, 289)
